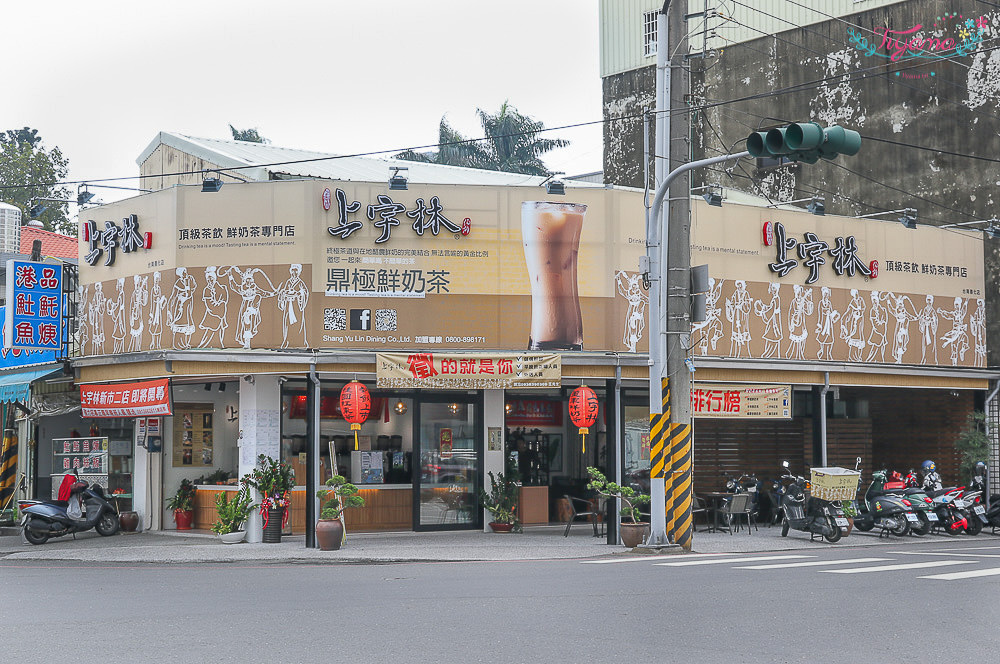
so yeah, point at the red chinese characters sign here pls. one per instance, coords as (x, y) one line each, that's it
(468, 370)
(149, 397)
(534, 412)
(746, 401)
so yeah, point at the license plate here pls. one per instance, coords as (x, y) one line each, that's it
(979, 509)
(931, 516)
(910, 516)
(841, 522)
(960, 504)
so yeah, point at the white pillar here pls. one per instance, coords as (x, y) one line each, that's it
(260, 431)
(493, 418)
(140, 482)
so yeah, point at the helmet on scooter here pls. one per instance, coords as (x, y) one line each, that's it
(928, 466)
(980, 468)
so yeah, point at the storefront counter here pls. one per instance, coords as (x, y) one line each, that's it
(533, 505)
(205, 514)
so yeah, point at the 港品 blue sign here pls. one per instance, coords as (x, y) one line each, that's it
(33, 319)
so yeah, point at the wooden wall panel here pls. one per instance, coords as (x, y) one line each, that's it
(732, 447)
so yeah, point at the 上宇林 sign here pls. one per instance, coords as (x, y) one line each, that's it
(148, 397)
(446, 371)
(741, 401)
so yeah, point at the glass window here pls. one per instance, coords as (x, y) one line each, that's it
(649, 33)
(636, 471)
(449, 464)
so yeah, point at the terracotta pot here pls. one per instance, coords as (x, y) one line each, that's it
(850, 525)
(272, 531)
(501, 527)
(183, 518)
(329, 534)
(633, 534)
(129, 521)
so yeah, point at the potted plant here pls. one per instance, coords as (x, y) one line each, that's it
(182, 503)
(850, 511)
(341, 494)
(501, 502)
(232, 514)
(635, 531)
(274, 480)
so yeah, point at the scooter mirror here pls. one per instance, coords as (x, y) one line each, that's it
(784, 464)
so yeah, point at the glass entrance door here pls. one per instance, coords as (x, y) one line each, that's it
(447, 480)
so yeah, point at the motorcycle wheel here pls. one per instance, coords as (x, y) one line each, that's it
(924, 527)
(864, 525)
(835, 537)
(901, 531)
(973, 525)
(35, 537)
(784, 526)
(108, 525)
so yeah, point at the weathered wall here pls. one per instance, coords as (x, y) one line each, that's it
(817, 73)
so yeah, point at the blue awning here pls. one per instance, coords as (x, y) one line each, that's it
(15, 386)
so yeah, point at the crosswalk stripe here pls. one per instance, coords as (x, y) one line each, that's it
(946, 553)
(892, 568)
(634, 560)
(718, 561)
(993, 571)
(814, 563)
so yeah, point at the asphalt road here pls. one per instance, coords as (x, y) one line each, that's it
(927, 603)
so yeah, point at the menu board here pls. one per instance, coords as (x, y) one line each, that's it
(194, 437)
(741, 401)
(88, 456)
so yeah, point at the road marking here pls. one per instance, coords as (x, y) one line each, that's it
(892, 568)
(969, 548)
(946, 553)
(815, 563)
(994, 571)
(636, 559)
(717, 561)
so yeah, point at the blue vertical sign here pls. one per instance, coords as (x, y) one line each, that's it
(33, 320)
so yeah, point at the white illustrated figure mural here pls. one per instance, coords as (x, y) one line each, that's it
(977, 324)
(798, 330)
(738, 307)
(771, 315)
(180, 308)
(927, 323)
(635, 322)
(827, 318)
(157, 302)
(710, 329)
(116, 309)
(905, 313)
(96, 316)
(957, 337)
(879, 318)
(293, 296)
(136, 320)
(83, 320)
(852, 327)
(215, 296)
(250, 287)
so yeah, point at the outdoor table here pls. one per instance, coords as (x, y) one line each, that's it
(716, 501)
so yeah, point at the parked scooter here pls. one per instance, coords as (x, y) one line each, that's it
(43, 519)
(886, 511)
(808, 514)
(922, 504)
(916, 500)
(950, 509)
(992, 514)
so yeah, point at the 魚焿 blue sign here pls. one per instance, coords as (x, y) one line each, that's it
(33, 319)
(16, 358)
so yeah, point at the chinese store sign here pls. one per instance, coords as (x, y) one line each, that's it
(467, 371)
(150, 397)
(87, 456)
(111, 238)
(15, 357)
(384, 216)
(813, 252)
(742, 401)
(33, 319)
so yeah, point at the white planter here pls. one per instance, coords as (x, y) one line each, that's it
(233, 538)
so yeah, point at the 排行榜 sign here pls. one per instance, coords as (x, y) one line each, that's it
(741, 401)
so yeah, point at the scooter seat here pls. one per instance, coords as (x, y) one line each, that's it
(912, 492)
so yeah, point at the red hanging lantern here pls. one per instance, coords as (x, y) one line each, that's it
(583, 410)
(355, 404)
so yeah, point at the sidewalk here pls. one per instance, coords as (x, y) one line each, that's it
(536, 543)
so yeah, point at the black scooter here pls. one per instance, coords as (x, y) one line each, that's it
(992, 513)
(811, 515)
(43, 519)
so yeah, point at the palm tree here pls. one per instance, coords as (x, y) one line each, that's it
(511, 145)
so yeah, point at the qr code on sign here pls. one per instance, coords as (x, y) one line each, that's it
(335, 319)
(385, 320)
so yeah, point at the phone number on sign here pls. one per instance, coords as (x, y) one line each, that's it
(465, 340)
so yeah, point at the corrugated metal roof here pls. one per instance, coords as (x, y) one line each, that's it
(229, 153)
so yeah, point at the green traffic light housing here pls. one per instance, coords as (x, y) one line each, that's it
(804, 141)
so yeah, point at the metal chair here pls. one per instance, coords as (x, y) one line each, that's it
(589, 510)
(698, 507)
(738, 504)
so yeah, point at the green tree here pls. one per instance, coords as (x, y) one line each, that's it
(249, 135)
(29, 171)
(511, 144)
(972, 444)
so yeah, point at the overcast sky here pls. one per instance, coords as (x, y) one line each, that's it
(99, 79)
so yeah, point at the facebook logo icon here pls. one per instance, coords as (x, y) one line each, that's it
(361, 319)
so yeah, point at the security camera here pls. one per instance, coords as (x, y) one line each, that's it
(248, 378)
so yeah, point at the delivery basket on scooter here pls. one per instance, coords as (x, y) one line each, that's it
(834, 483)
